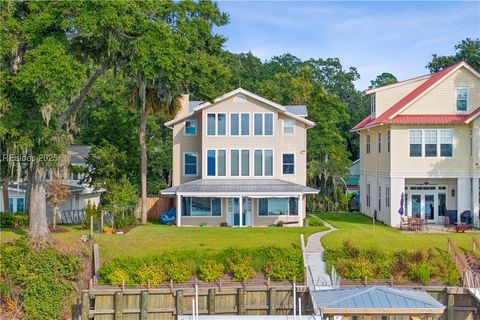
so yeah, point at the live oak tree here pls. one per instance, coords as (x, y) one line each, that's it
(467, 50)
(383, 79)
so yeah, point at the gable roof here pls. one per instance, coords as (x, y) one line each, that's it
(414, 95)
(203, 105)
(77, 154)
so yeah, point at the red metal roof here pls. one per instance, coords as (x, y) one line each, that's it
(386, 117)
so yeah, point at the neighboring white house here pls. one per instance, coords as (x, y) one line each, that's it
(420, 147)
(80, 194)
(240, 153)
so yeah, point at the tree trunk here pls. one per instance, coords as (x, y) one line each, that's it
(5, 196)
(38, 229)
(143, 152)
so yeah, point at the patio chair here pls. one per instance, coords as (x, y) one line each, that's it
(466, 217)
(404, 223)
(446, 224)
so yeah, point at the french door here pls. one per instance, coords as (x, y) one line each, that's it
(233, 212)
(430, 206)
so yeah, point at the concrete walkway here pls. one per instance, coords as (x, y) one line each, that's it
(319, 276)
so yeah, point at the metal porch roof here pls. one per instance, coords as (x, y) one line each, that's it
(376, 300)
(246, 186)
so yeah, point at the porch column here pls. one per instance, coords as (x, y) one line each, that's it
(475, 200)
(302, 214)
(240, 211)
(179, 211)
(397, 187)
(464, 196)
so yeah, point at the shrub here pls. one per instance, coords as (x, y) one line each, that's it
(210, 270)
(41, 279)
(118, 277)
(241, 267)
(13, 220)
(152, 274)
(357, 269)
(177, 270)
(350, 248)
(421, 272)
(284, 264)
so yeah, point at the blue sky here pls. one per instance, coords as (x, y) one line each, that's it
(374, 37)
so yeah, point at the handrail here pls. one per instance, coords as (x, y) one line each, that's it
(471, 279)
(476, 244)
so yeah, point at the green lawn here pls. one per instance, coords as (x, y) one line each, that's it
(154, 238)
(361, 231)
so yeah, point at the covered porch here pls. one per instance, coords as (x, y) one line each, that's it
(239, 202)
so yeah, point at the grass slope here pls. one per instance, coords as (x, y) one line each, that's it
(154, 238)
(360, 230)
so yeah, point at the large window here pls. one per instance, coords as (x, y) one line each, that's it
(16, 204)
(289, 126)
(278, 206)
(201, 207)
(216, 124)
(263, 124)
(368, 144)
(372, 104)
(462, 99)
(234, 124)
(216, 163)
(190, 164)
(190, 128)
(431, 142)
(263, 162)
(288, 163)
(239, 124)
(245, 124)
(234, 163)
(245, 163)
(415, 143)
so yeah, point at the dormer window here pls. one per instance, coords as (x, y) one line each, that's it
(462, 99)
(190, 128)
(373, 107)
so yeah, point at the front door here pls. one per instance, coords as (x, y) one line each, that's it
(233, 212)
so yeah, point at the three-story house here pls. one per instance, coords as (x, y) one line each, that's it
(239, 161)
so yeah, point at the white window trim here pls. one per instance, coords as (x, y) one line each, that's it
(373, 104)
(280, 215)
(211, 205)
(196, 164)
(283, 127)
(240, 123)
(387, 197)
(229, 163)
(263, 124)
(227, 167)
(294, 164)
(216, 124)
(368, 143)
(15, 203)
(263, 161)
(456, 89)
(185, 128)
(438, 144)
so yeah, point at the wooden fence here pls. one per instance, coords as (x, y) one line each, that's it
(165, 304)
(155, 207)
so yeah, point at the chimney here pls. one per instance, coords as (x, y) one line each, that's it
(184, 102)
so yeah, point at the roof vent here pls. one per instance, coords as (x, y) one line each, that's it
(240, 98)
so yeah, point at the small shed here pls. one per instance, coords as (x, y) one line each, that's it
(376, 301)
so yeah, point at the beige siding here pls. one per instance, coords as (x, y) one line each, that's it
(280, 143)
(441, 99)
(451, 184)
(375, 162)
(402, 163)
(182, 144)
(386, 98)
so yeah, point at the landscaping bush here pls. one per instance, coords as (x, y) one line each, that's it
(421, 266)
(118, 277)
(284, 264)
(210, 270)
(151, 274)
(241, 267)
(41, 280)
(13, 220)
(177, 270)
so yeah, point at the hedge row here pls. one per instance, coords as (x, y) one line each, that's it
(422, 266)
(242, 264)
(13, 220)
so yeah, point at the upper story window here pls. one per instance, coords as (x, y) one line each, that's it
(216, 124)
(461, 99)
(190, 164)
(263, 162)
(368, 195)
(379, 142)
(373, 107)
(239, 124)
(431, 142)
(216, 163)
(415, 143)
(368, 144)
(239, 163)
(190, 128)
(289, 126)
(288, 166)
(263, 124)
